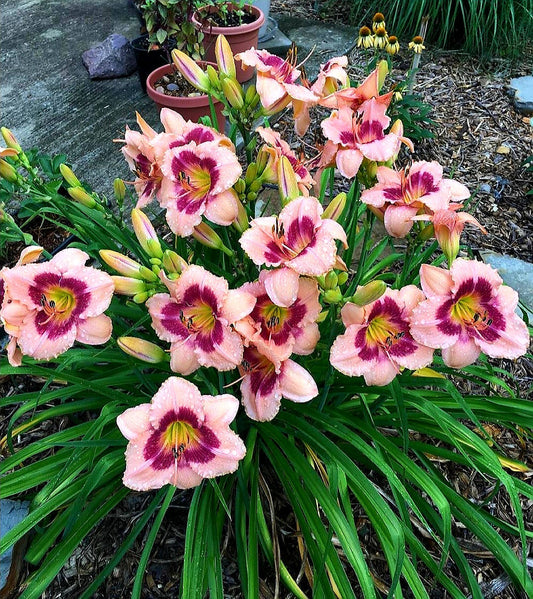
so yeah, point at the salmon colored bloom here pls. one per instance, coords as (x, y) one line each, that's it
(277, 87)
(198, 181)
(468, 310)
(264, 383)
(298, 238)
(377, 341)
(49, 306)
(180, 438)
(140, 156)
(276, 148)
(404, 193)
(353, 136)
(278, 331)
(197, 319)
(448, 225)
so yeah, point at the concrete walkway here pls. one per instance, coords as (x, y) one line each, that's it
(48, 100)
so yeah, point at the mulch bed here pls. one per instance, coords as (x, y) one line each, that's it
(482, 142)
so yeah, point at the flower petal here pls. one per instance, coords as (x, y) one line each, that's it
(134, 422)
(94, 330)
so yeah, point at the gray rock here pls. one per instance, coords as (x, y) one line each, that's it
(11, 513)
(522, 91)
(111, 58)
(516, 273)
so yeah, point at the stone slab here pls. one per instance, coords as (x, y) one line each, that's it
(11, 513)
(516, 273)
(111, 58)
(522, 90)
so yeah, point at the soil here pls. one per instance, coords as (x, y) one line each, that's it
(483, 142)
(226, 18)
(174, 84)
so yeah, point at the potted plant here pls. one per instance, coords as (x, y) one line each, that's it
(239, 23)
(169, 89)
(168, 25)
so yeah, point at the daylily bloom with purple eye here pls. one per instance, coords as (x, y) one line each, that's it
(298, 238)
(359, 135)
(277, 147)
(377, 341)
(264, 384)
(404, 193)
(198, 181)
(279, 331)
(180, 438)
(140, 156)
(179, 132)
(277, 87)
(197, 318)
(49, 306)
(468, 311)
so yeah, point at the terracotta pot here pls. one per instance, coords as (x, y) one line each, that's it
(240, 38)
(190, 108)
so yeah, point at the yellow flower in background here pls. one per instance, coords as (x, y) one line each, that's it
(365, 38)
(393, 46)
(378, 21)
(380, 38)
(417, 45)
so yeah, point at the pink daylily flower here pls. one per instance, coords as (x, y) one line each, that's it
(198, 181)
(180, 438)
(468, 310)
(358, 135)
(264, 384)
(48, 306)
(278, 331)
(404, 193)
(277, 87)
(377, 341)
(355, 97)
(179, 132)
(298, 238)
(140, 156)
(277, 147)
(331, 76)
(197, 318)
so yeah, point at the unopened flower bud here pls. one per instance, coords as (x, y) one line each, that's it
(335, 207)
(128, 285)
(69, 176)
(333, 296)
(241, 221)
(224, 57)
(140, 298)
(142, 349)
(429, 373)
(233, 92)
(205, 235)
(173, 262)
(214, 80)
(249, 96)
(191, 71)
(10, 139)
(7, 172)
(126, 266)
(342, 277)
(322, 316)
(145, 233)
(331, 280)
(80, 195)
(120, 189)
(288, 185)
(369, 293)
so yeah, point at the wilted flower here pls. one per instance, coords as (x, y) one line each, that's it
(417, 45)
(393, 45)
(180, 438)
